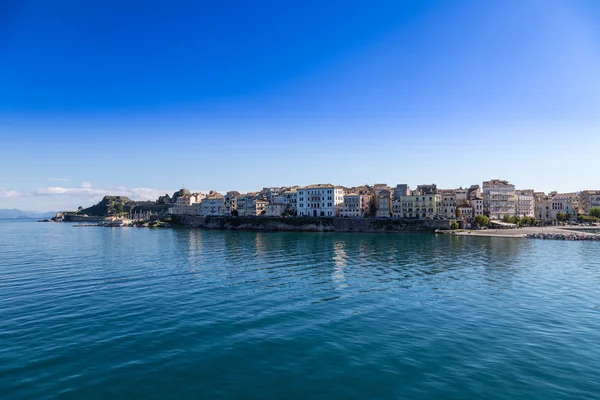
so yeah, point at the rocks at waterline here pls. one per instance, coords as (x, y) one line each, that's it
(563, 236)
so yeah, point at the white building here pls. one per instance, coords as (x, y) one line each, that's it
(213, 204)
(477, 204)
(322, 200)
(525, 203)
(499, 199)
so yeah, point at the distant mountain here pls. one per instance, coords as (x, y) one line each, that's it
(14, 213)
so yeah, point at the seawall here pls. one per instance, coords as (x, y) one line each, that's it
(308, 224)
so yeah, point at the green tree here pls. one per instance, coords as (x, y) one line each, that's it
(534, 222)
(482, 221)
(506, 219)
(454, 226)
(559, 216)
(595, 212)
(515, 219)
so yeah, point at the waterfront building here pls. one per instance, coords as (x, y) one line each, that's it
(291, 198)
(321, 200)
(589, 199)
(213, 204)
(525, 203)
(241, 205)
(477, 204)
(355, 205)
(250, 205)
(499, 199)
(275, 209)
(259, 207)
(383, 204)
(248, 202)
(187, 204)
(547, 207)
(448, 205)
(288, 198)
(465, 212)
(423, 202)
(230, 202)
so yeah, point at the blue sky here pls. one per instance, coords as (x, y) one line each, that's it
(101, 97)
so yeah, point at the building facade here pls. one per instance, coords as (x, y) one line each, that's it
(525, 203)
(213, 204)
(355, 205)
(230, 202)
(423, 202)
(322, 200)
(448, 204)
(499, 199)
(465, 212)
(589, 199)
(477, 204)
(188, 204)
(384, 204)
(547, 208)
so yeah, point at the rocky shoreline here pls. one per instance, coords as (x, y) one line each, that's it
(563, 236)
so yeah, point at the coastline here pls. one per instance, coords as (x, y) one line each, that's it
(533, 232)
(309, 224)
(361, 225)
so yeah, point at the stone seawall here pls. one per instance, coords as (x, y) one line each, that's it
(302, 224)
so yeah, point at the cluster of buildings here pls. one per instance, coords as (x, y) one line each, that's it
(495, 198)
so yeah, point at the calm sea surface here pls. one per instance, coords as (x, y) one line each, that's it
(97, 313)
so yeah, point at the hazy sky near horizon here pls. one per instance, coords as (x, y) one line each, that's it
(140, 98)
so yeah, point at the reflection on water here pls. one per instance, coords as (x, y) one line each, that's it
(175, 313)
(340, 262)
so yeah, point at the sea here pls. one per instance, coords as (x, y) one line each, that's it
(160, 313)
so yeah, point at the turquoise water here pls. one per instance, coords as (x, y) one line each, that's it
(96, 313)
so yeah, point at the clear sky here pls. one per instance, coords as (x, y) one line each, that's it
(142, 97)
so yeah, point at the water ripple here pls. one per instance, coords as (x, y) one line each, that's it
(142, 313)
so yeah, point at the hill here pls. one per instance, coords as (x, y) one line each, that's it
(109, 205)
